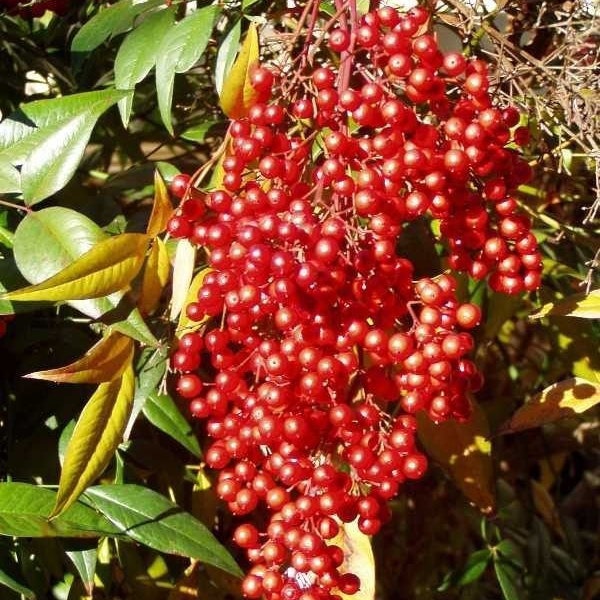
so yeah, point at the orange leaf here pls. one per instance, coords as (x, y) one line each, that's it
(161, 208)
(464, 450)
(238, 95)
(103, 362)
(563, 399)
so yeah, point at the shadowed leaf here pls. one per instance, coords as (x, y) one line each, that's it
(563, 399)
(464, 450)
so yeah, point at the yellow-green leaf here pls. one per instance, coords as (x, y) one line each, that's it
(464, 450)
(102, 362)
(563, 399)
(98, 432)
(183, 271)
(161, 208)
(358, 559)
(156, 277)
(582, 305)
(108, 267)
(238, 95)
(185, 324)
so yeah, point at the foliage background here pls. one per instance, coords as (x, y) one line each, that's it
(542, 540)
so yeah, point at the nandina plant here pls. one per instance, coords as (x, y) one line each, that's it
(317, 343)
(332, 341)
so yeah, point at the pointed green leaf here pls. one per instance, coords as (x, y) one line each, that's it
(137, 55)
(102, 362)
(108, 267)
(47, 138)
(198, 132)
(151, 519)
(25, 508)
(11, 583)
(85, 563)
(163, 413)
(134, 326)
(98, 432)
(226, 54)
(108, 22)
(509, 579)
(237, 94)
(179, 51)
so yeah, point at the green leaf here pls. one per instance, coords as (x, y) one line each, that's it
(509, 579)
(150, 370)
(98, 432)
(85, 563)
(179, 51)
(25, 508)
(137, 55)
(474, 568)
(134, 326)
(47, 138)
(226, 55)
(584, 305)
(151, 519)
(198, 132)
(15, 586)
(107, 267)
(163, 413)
(10, 179)
(49, 240)
(111, 21)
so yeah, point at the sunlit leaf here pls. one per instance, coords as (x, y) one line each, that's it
(464, 450)
(98, 432)
(179, 51)
(103, 362)
(563, 399)
(582, 305)
(137, 55)
(156, 277)
(358, 559)
(226, 55)
(108, 267)
(151, 519)
(47, 138)
(238, 95)
(25, 508)
(185, 324)
(183, 271)
(108, 22)
(162, 209)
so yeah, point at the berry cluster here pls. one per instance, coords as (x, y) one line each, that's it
(320, 345)
(30, 9)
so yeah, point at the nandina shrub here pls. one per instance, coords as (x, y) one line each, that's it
(321, 319)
